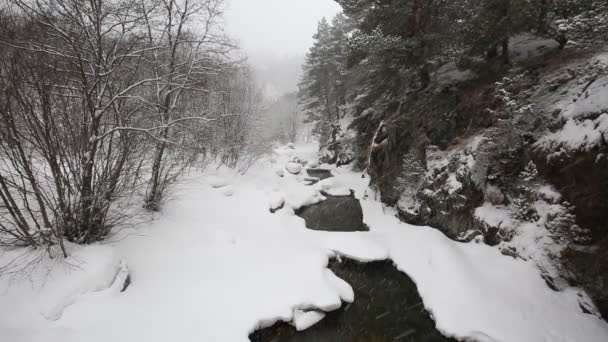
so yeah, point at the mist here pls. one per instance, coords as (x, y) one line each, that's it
(276, 34)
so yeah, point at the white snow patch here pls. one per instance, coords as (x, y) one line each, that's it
(453, 185)
(576, 135)
(228, 190)
(360, 246)
(333, 187)
(449, 74)
(526, 45)
(217, 182)
(593, 100)
(344, 290)
(549, 193)
(303, 320)
(293, 167)
(494, 216)
(276, 200)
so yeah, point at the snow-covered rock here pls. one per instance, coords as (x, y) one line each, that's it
(217, 181)
(293, 167)
(276, 201)
(228, 190)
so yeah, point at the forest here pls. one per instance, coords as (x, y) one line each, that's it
(103, 99)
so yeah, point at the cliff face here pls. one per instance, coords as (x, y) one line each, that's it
(515, 157)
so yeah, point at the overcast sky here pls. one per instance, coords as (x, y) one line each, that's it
(276, 27)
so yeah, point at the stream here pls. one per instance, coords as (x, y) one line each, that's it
(387, 305)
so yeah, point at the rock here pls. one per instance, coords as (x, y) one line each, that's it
(494, 195)
(339, 214)
(277, 208)
(311, 180)
(293, 168)
(494, 138)
(581, 178)
(590, 269)
(319, 173)
(227, 191)
(280, 173)
(276, 202)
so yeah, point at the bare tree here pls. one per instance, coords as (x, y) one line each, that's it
(68, 65)
(97, 96)
(186, 49)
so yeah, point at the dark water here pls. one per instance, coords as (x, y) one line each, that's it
(336, 214)
(387, 307)
(319, 173)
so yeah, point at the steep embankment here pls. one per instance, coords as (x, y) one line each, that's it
(515, 157)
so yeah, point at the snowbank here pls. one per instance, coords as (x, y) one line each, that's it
(594, 99)
(578, 135)
(473, 291)
(214, 268)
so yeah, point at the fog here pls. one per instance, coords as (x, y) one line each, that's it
(276, 27)
(276, 34)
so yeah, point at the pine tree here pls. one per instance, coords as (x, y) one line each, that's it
(322, 87)
(495, 21)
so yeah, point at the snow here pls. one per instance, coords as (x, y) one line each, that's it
(275, 200)
(549, 193)
(525, 46)
(593, 100)
(46, 288)
(577, 135)
(494, 216)
(473, 291)
(449, 73)
(333, 187)
(213, 267)
(217, 181)
(303, 320)
(293, 168)
(529, 240)
(228, 190)
(453, 185)
(342, 288)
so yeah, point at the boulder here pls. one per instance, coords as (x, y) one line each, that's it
(293, 168)
(319, 173)
(338, 214)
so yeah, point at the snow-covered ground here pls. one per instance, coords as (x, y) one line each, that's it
(216, 265)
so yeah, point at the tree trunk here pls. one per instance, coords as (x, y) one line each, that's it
(492, 52)
(154, 195)
(542, 17)
(86, 197)
(424, 73)
(505, 51)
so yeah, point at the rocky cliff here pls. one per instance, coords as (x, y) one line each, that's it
(514, 156)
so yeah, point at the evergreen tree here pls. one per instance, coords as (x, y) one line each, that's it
(495, 21)
(322, 87)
